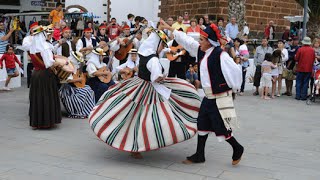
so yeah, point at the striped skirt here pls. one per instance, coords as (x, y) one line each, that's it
(78, 101)
(132, 116)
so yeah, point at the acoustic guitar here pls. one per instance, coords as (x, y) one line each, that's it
(176, 52)
(106, 78)
(102, 44)
(80, 75)
(122, 53)
(126, 73)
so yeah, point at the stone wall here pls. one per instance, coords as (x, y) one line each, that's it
(258, 12)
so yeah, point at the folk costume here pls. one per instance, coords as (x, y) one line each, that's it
(140, 114)
(219, 76)
(44, 111)
(78, 102)
(130, 63)
(93, 65)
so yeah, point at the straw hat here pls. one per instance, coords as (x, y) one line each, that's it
(78, 56)
(99, 51)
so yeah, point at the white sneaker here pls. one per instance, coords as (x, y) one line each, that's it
(6, 89)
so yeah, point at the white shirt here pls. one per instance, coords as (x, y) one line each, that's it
(230, 70)
(79, 45)
(204, 73)
(94, 64)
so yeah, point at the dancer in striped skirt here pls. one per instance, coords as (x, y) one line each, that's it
(147, 112)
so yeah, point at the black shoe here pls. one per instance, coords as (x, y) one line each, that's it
(256, 93)
(196, 158)
(303, 99)
(285, 93)
(297, 98)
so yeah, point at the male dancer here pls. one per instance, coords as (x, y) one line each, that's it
(219, 75)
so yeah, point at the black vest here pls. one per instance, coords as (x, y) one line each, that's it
(144, 72)
(66, 49)
(218, 83)
(94, 42)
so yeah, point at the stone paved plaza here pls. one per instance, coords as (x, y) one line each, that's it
(281, 139)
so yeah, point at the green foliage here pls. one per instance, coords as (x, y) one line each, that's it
(314, 6)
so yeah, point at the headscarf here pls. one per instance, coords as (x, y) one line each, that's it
(39, 43)
(150, 45)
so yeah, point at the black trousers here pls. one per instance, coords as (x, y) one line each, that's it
(244, 73)
(177, 69)
(257, 76)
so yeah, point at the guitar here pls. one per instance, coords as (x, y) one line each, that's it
(122, 53)
(80, 75)
(177, 52)
(106, 78)
(126, 73)
(102, 44)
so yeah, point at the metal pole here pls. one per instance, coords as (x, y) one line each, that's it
(305, 14)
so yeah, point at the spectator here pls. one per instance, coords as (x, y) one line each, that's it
(246, 29)
(282, 63)
(269, 31)
(177, 25)
(259, 57)
(232, 29)
(56, 32)
(90, 26)
(4, 38)
(242, 51)
(220, 22)
(113, 29)
(206, 20)
(136, 26)
(10, 59)
(276, 59)
(316, 47)
(290, 65)
(186, 20)
(266, 78)
(56, 15)
(192, 75)
(286, 33)
(305, 58)
(130, 22)
(201, 23)
(168, 32)
(194, 28)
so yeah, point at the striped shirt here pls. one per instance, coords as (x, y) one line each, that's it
(3, 44)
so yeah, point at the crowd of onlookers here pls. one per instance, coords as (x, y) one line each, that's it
(292, 57)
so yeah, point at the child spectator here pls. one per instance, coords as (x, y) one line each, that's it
(56, 32)
(266, 79)
(10, 58)
(192, 75)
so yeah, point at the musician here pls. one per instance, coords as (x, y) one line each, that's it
(94, 64)
(86, 43)
(219, 76)
(102, 34)
(177, 67)
(131, 65)
(45, 109)
(65, 46)
(124, 41)
(78, 102)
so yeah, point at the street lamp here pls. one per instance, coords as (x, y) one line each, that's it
(305, 14)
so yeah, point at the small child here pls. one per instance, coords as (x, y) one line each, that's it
(192, 75)
(56, 32)
(10, 58)
(266, 79)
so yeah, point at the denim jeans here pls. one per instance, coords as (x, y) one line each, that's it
(302, 83)
(244, 73)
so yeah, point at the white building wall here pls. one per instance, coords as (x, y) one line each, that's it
(146, 8)
(93, 6)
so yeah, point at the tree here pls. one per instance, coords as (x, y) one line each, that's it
(237, 8)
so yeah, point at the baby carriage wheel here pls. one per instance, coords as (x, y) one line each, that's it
(309, 101)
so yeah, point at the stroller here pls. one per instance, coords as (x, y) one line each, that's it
(315, 85)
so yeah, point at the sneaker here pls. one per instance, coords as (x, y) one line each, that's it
(241, 94)
(6, 89)
(278, 95)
